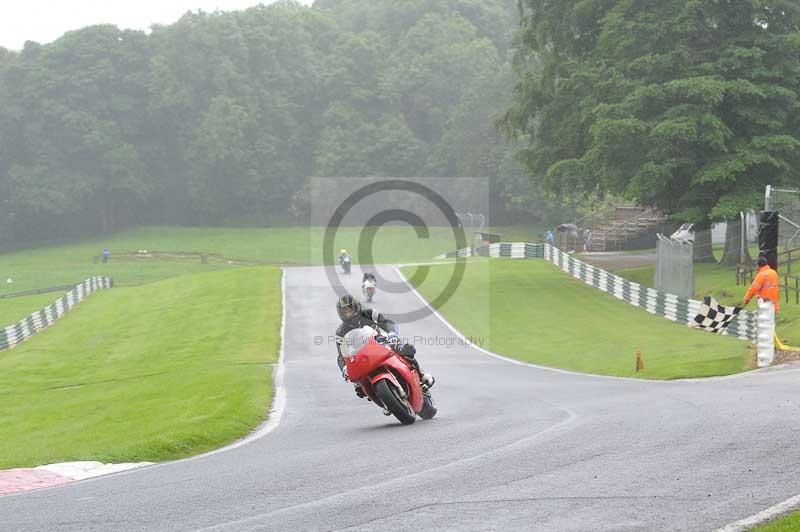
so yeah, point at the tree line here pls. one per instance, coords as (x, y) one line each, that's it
(689, 106)
(220, 118)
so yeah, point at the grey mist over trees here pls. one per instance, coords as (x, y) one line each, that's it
(220, 118)
(690, 106)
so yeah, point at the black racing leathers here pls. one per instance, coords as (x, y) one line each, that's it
(366, 316)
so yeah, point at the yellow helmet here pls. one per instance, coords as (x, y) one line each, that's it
(342, 252)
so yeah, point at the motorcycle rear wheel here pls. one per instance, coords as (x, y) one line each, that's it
(398, 406)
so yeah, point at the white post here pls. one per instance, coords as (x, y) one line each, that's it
(743, 236)
(766, 333)
(768, 198)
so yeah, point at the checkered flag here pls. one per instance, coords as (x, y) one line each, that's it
(714, 317)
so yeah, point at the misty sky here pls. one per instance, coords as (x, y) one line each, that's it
(45, 20)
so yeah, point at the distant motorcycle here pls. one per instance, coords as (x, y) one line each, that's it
(345, 262)
(388, 379)
(369, 289)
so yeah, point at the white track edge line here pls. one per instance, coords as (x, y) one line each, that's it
(279, 399)
(769, 514)
(468, 342)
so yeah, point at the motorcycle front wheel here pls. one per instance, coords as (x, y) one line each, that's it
(398, 406)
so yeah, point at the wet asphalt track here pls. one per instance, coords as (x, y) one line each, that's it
(513, 448)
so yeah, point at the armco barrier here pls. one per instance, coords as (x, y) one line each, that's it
(669, 306)
(14, 334)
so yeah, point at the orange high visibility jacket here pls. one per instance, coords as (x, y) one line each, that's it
(765, 286)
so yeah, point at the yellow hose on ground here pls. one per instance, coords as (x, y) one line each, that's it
(783, 347)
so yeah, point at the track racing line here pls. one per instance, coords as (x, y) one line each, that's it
(514, 447)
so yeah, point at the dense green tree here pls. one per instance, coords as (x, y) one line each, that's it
(352, 145)
(690, 106)
(72, 125)
(431, 66)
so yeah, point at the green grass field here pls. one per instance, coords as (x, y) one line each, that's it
(39, 268)
(12, 310)
(720, 282)
(154, 372)
(174, 360)
(790, 523)
(536, 313)
(70, 264)
(292, 245)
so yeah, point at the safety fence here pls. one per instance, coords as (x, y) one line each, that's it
(38, 291)
(14, 334)
(514, 250)
(669, 306)
(674, 267)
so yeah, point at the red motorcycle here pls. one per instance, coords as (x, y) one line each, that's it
(388, 379)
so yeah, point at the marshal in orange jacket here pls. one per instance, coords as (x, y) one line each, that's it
(765, 286)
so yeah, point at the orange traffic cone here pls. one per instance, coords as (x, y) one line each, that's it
(639, 361)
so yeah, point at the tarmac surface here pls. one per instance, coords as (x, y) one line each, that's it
(514, 447)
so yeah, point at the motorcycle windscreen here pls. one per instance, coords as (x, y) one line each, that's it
(356, 340)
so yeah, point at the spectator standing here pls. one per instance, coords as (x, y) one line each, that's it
(764, 286)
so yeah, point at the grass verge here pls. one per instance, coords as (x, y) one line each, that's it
(72, 263)
(538, 314)
(14, 309)
(790, 523)
(720, 282)
(148, 373)
(38, 268)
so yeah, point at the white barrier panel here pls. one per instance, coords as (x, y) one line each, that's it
(12, 335)
(766, 333)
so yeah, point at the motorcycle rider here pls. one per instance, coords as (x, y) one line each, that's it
(369, 281)
(344, 261)
(354, 316)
